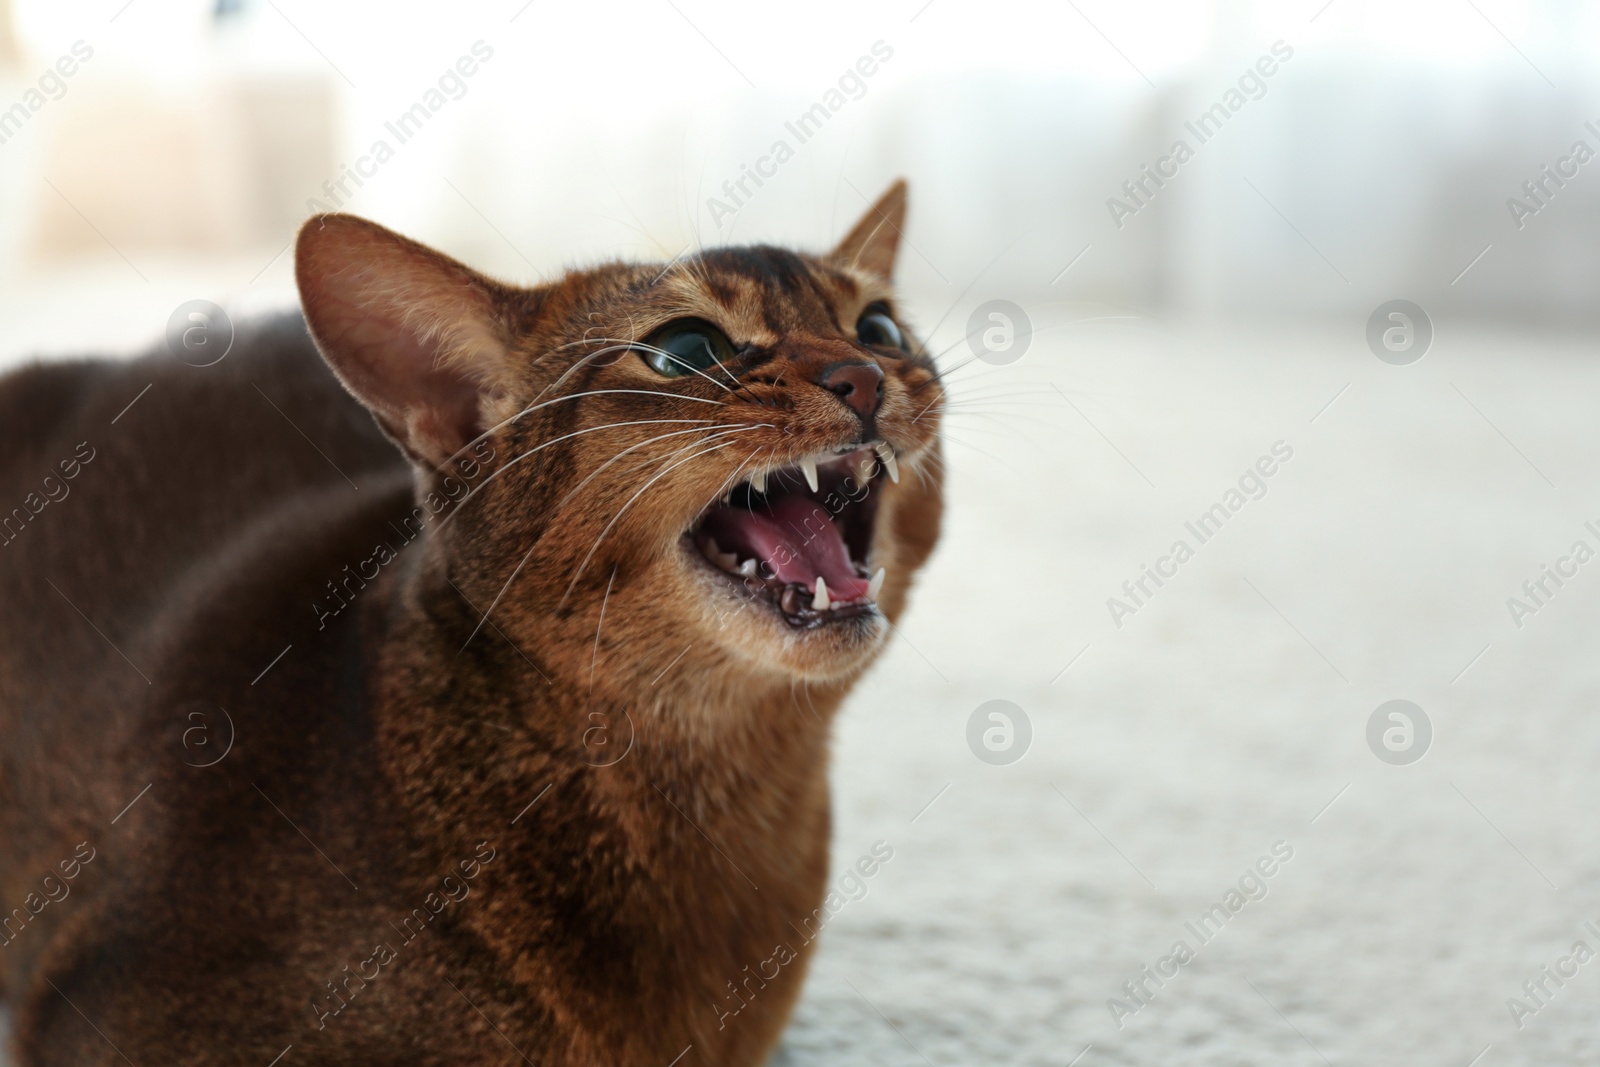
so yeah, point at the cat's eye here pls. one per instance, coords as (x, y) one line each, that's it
(877, 329)
(685, 347)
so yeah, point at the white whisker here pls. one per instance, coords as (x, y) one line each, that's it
(528, 554)
(555, 441)
(581, 362)
(590, 477)
(593, 548)
(575, 396)
(595, 656)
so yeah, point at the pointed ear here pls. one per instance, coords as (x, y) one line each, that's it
(876, 238)
(418, 338)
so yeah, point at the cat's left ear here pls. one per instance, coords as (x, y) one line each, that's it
(419, 338)
(873, 243)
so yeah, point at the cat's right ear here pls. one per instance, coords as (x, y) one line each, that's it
(875, 241)
(417, 337)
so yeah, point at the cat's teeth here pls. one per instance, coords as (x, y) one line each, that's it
(747, 568)
(758, 481)
(728, 561)
(886, 453)
(808, 467)
(875, 586)
(727, 498)
(820, 602)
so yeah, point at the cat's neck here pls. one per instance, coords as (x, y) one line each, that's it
(729, 739)
(693, 839)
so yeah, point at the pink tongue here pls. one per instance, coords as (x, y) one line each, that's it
(800, 542)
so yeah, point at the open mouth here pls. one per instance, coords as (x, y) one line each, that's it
(800, 537)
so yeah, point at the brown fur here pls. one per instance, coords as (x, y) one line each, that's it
(642, 763)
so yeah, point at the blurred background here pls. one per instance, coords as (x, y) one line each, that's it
(1376, 161)
(1169, 334)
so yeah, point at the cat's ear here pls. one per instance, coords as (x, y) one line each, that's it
(876, 238)
(420, 339)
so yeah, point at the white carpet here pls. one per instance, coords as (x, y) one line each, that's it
(1229, 711)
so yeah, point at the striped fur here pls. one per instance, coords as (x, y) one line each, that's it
(461, 701)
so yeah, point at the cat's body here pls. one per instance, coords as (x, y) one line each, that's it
(327, 804)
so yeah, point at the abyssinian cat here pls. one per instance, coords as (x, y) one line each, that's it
(490, 727)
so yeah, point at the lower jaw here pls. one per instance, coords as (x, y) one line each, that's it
(793, 604)
(789, 601)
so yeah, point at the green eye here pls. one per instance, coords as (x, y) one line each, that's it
(685, 347)
(877, 329)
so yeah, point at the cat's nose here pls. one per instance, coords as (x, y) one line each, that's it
(858, 383)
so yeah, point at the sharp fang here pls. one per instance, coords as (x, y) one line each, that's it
(748, 568)
(820, 602)
(808, 467)
(875, 586)
(758, 481)
(886, 453)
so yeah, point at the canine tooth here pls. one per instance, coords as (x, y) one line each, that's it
(875, 586)
(820, 602)
(808, 467)
(886, 453)
(748, 568)
(729, 562)
(758, 481)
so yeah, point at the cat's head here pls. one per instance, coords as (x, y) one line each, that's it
(732, 458)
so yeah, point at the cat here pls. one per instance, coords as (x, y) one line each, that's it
(445, 675)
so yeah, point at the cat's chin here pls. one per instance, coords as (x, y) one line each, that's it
(754, 627)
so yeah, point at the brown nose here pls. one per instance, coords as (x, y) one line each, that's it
(859, 385)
